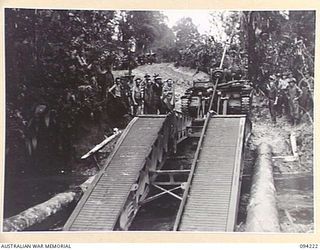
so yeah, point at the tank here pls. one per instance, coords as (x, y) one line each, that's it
(195, 101)
(232, 96)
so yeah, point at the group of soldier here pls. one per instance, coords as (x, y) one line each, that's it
(143, 96)
(288, 97)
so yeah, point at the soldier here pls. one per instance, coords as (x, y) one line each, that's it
(118, 93)
(294, 93)
(308, 81)
(291, 77)
(272, 97)
(156, 93)
(116, 90)
(167, 96)
(147, 93)
(137, 97)
(305, 100)
(104, 79)
(282, 93)
(126, 85)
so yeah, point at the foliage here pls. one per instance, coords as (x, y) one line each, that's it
(53, 61)
(278, 41)
(186, 32)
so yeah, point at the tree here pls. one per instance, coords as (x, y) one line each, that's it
(142, 28)
(186, 33)
(49, 55)
(274, 41)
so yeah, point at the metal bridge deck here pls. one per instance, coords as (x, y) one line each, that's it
(100, 206)
(210, 203)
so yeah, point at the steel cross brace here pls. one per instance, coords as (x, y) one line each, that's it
(164, 191)
(169, 191)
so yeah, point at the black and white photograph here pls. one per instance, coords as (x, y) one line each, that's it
(196, 120)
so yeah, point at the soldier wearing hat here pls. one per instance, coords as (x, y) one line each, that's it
(272, 93)
(308, 81)
(147, 76)
(282, 93)
(156, 93)
(294, 94)
(305, 100)
(147, 95)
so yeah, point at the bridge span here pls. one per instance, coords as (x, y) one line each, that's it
(211, 190)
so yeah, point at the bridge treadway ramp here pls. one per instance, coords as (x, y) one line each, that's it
(100, 207)
(212, 198)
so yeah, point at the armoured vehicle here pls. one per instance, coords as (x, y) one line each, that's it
(232, 96)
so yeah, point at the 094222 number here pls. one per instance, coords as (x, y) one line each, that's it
(309, 246)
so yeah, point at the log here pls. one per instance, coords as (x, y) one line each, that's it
(42, 211)
(262, 213)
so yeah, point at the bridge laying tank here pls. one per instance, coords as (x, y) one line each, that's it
(233, 96)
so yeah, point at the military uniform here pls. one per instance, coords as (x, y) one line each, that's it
(272, 97)
(283, 95)
(167, 96)
(147, 93)
(294, 93)
(156, 93)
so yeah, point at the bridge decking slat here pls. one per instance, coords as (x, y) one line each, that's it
(208, 202)
(110, 192)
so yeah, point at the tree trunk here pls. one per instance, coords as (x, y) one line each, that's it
(252, 55)
(42, 211)
(262, 213)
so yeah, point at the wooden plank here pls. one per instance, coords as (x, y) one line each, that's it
(101, 207)
(193, 167)
(211, 198)
(86, 195)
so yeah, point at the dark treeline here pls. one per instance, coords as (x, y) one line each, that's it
(54, 59)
